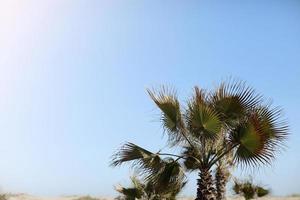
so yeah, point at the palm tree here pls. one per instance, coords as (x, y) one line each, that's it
(147, 191)
(222, 175)
(131, 193)
(231, 120)
(164, 175)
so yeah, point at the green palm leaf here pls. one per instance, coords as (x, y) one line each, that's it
(134, 192)
(129, 193)
(190, 161)
(168, 103)
(275, 129)
(143, 159)
(169, 177)
(258, 138)
(232, 100)
(202, 121)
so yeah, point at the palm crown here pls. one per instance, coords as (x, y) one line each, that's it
(232, 120)
(147, 191)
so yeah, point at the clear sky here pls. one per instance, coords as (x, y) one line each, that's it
(73, 76)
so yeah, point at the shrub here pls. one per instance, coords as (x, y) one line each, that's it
(262, 191)
(249, 190)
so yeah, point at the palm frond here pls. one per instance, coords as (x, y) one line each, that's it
(171, 118)
(251, 149)
(137, 183)
(274, 127)
(190, 154)
(134, 192)
(232, 100)
(202, 121)
(259, 137)
(129, 193)
(163, 175)
(171, 194)
(169, 177)
(141, 158)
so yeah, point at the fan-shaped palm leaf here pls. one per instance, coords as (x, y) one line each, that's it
(169, 177)
(258, 137)
(144, 160)
(191, 158)
(171, 118)
(136, 191)
(232, 100)
(129, 193)
(202, 121)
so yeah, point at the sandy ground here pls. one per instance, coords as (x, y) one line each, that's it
(30, 197)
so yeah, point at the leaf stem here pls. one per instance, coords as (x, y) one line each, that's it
(216, 159)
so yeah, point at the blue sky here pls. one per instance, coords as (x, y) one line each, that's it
(73, 76)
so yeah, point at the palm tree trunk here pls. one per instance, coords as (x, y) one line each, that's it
(222, 176)
(205, 190)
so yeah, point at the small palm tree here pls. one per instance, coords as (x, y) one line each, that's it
(147, 191)
(163, 175)
(249, 190)
(231, 120)
(132, 193)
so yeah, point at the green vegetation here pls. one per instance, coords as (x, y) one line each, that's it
(232, 121)
(147, 191)
(260, 191)
(248, 190)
